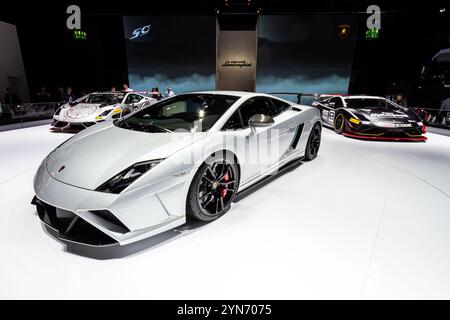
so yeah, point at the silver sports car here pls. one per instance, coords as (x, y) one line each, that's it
(187, 156)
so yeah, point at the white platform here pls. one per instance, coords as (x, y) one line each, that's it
(364, 220)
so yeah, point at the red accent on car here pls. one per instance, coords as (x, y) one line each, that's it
(422, 138)
(424, 129)
(223, 190)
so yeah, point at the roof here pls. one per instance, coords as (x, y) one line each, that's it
(350, 96)
(363, 97)
(230, 93)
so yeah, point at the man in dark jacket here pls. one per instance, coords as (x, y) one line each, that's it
(11, 97)
(68, 95)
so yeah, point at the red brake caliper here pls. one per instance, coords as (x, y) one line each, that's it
(224, 190)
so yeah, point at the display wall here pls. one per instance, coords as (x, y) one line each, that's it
(12, 72)
(171, 51)
(236, 59)
(303, 53)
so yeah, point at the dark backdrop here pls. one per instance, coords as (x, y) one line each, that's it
(177, 52)
(303, 53)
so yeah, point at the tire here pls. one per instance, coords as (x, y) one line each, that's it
(125, 112)
(213, 187)
(313, 144)
(339, 123)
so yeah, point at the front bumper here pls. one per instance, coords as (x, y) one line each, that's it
(383, 137)
(65, 126)
(372, 132)
(101, 219)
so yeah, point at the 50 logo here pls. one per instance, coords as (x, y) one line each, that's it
(139, 32)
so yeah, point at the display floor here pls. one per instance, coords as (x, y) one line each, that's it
(364, 220)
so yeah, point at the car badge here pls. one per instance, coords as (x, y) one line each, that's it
(343, 31)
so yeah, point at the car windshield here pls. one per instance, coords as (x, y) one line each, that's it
(102, 98)
(369, 103)
(190, 112)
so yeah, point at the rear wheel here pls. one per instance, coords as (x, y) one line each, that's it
(339, 123)
(213, 188)
(313, 145)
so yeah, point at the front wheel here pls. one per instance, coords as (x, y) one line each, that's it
(213, 188)
(125, 112)
(313, 144)
(339, 123)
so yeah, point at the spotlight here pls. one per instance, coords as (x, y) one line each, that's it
(258, 11)
(441, 10)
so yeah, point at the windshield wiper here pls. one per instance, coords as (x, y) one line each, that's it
(160, 127)
(151, 125)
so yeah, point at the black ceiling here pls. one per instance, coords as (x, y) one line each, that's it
(15, 11)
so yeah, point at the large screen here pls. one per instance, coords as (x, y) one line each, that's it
(171, 51)
(305, 53)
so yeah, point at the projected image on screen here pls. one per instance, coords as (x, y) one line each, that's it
(176, 52)
(304, 53)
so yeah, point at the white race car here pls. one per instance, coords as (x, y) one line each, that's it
(187, 156)
(97, 107)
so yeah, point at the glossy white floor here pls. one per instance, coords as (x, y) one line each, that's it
(364, 220)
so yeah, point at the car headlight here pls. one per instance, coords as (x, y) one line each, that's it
(122, 180)
(354, 120)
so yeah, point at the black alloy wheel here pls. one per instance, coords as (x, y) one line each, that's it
(213, 189)
(339, 123)
(313, 145)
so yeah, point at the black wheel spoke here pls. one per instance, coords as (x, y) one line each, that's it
(211, 171)
(227, 183)
(225, 169)
(206, 194)
(207, 179)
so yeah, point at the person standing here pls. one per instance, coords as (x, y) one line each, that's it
(43, 95)
(11, 97)
(126, 88)
(169, 92)
(68, 95)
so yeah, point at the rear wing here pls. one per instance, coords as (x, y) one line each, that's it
(299, 95)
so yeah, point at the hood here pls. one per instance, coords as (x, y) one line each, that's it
(381, 114)
(81, 110)
(90, 159)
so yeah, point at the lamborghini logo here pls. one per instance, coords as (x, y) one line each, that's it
(343, 31)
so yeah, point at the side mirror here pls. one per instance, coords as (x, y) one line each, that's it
(260, 120)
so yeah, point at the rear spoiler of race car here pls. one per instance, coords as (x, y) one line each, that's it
(298, 94)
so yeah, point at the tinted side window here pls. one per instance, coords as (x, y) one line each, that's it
(255, 106)
(129, 98)
(234, 122)
(337, 103)
(278, 107)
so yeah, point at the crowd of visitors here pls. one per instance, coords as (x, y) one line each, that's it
(64, 95)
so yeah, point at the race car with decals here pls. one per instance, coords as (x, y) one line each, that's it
(97, 107)
(370, 118)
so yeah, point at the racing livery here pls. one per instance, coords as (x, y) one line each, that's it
(371, 118)
(97, 107)
(188, 155)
